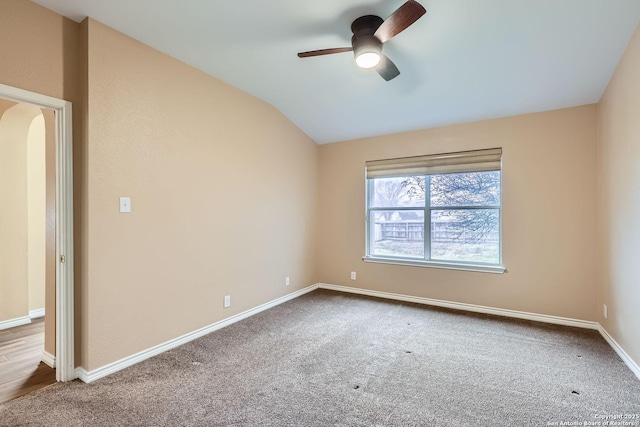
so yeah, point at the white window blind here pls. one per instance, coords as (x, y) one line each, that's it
(461, 162)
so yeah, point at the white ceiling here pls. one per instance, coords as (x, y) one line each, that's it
(465, 60)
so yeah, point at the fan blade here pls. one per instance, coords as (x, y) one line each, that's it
(399, 20)
(387, 69)
(324, 52)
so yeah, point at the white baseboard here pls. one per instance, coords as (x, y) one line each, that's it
(623, 355)
(49, 359)
(12, 323)
(34, 314)
(89, 376)
(565, 321)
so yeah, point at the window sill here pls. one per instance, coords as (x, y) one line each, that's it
(481, 268)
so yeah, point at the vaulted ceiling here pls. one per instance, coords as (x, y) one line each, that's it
(465, 60)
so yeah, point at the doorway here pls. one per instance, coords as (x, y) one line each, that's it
(64, 265)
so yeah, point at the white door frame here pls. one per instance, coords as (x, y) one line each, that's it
(64, 362)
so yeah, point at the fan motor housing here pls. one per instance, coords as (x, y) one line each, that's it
(366, 43)
(366, 25)
(363, 39)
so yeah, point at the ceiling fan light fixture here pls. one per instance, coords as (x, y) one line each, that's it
(368, 59)
(370, 32)
(367, 50)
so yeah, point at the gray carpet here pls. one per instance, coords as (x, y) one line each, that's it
(329, 358)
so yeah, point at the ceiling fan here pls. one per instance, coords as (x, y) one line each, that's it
(370, 32)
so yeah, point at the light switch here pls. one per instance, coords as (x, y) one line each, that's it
(125, 204)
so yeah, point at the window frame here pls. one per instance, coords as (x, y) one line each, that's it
(427, 208)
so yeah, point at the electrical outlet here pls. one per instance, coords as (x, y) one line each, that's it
(604, 310)
(353, 275)
(287, 282)
(227, 301)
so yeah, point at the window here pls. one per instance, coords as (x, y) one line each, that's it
(439, 210)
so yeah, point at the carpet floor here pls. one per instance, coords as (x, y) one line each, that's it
(333, 359)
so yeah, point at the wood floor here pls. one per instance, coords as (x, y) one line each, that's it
(21, 369)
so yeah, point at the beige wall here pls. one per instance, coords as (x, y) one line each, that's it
(548, 214)
(223, 191)
(43, 48)
(619, 202)
(36, 213)
(39, 50)
(14, 128)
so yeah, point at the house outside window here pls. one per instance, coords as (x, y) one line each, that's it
(440, 210)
